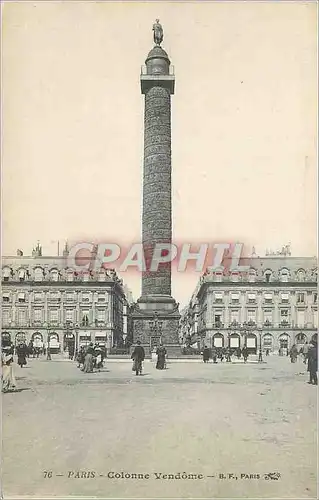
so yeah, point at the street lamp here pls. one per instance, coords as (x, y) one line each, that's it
(260, 355)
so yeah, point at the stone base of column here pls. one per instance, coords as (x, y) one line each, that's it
(167, 312)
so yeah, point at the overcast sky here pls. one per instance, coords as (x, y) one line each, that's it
(243, 123)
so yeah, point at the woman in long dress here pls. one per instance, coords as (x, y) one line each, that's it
(161, 353)
(88, 360)
(8, 379)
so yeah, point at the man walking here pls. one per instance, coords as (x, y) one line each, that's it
(138, 356)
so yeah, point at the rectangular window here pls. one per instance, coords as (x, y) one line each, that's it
(69, 315)
(300, 298)
(268, 298)
(6, 317)
(267, 316)
(22, 317)
(85, 318)
(101, 315)
(101, 297)
(235, 298)
(315, 297)
(251, 298)
(251, 315)
(284, 313)
(69, 296)
(37, 315)
(54, 316)
(285, 297)
(37, 296)
(85, 297)
(234, 316)
(5, 297)
(300, 318)
(21, 297)
(54, 295)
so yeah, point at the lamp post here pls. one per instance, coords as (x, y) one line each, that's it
(260, 355)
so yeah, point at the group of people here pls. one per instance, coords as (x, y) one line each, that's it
(138, 356)
(90, 357)
(221, 353)
(309, 353)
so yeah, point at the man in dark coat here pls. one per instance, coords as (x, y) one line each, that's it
(206, 354)
(138, 355)
(22, 350)
(313, 362)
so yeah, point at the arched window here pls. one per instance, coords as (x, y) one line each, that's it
(218, 340)
(38, 274)
(301, 338)
(284, 341)
(54, 274)
(268, 341)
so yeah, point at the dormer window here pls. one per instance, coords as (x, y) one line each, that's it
(6, 273)
(22, 275)
(252, 276)
(268, 275)
(235, 276)
(301, 275)
(38, 274)
(54, 275)
(284, 275)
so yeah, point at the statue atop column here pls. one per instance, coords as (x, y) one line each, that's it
(158, 32)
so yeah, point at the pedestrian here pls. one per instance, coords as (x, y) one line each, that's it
(98, 356)
(22, 350)
(161, 355)
(293, 353)
(8, 379)
(214, 354)
(245, 354)
(267, 352)
(88, 359)
(48, 352)
(228, 355)
(138, 356)
(313, 362)
(80, 356)
(305, 352)
(238, 353)
(206, 354)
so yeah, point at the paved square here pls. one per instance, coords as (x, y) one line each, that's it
(193, 418)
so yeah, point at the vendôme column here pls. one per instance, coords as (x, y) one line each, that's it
(156, 315)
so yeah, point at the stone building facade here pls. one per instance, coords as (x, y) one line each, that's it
(273, 305)
(43, 300)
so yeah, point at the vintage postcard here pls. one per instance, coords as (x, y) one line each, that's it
(159, 300)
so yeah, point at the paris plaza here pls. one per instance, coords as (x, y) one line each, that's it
(129, 122)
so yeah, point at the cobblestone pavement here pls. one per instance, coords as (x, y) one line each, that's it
(192, 418)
